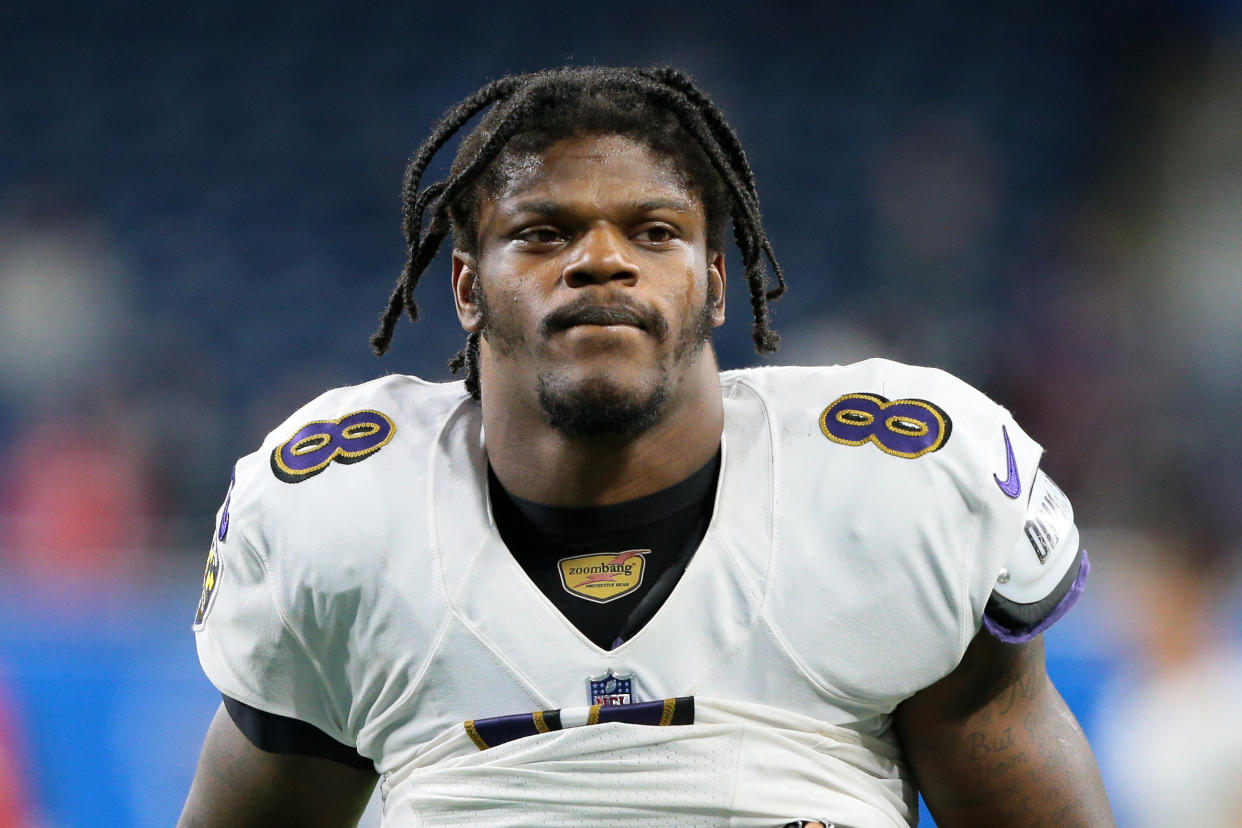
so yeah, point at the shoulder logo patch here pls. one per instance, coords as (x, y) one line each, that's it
(222, 532)
(906, 428)
(319, 444)
(603, 578)
(211, 580)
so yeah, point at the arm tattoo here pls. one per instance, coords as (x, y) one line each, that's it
(995, 745)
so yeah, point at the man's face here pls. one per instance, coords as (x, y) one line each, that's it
(592, 285)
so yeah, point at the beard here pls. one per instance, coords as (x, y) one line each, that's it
(599, 407)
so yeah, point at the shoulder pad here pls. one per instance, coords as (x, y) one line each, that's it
(1047, 548)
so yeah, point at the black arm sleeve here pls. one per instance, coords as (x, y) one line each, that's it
(281, 734)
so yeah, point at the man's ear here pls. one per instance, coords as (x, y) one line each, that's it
(465, 291)
(716, 287)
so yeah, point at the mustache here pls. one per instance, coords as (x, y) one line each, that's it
(622, 311)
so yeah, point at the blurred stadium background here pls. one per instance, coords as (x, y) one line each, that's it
(199, 222)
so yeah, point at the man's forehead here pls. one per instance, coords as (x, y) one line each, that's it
(585, 160)
(538, 204)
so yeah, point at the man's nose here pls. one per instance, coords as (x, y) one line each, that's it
(603, 254)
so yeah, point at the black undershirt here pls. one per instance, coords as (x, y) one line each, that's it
(607, 594)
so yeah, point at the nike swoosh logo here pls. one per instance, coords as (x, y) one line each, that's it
(1011, 485)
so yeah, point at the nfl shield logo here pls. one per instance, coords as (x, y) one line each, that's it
(610, 689)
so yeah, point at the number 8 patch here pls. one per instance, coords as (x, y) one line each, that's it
(319, 444)
(902, 428)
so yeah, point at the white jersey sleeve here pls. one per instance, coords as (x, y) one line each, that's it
(1048, 545)
(317, 603)
(1045, 572)
(247, 644)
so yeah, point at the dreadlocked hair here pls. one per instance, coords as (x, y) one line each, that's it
(658, 107)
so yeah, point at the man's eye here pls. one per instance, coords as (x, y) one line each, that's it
(656, 234)
(540, 235)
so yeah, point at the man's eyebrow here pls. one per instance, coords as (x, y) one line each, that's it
(550, 207)
(678, 205)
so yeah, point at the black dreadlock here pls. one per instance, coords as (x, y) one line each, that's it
(658, 107)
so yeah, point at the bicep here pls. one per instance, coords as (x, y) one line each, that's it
(237, 784)
(994, 743)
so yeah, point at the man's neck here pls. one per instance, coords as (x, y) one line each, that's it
(536, 462)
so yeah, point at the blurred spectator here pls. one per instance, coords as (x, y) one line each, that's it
(63, 298)
(1194, 242)
(1196, 209)
(78, 500)
(1171, 738)
(75, 499)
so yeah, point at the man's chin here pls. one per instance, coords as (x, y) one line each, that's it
(600, 407)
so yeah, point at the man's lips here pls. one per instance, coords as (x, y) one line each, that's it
(604, 316)
(619, 313)
(595, 315)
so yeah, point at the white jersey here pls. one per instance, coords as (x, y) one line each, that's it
(863, 515)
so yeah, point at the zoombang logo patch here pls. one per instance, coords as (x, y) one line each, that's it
(603, 578)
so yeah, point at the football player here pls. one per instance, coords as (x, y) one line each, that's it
(599, 582)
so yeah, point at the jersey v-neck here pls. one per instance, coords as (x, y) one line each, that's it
(608, 569)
